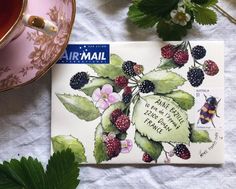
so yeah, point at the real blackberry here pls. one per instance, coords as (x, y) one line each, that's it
(147, 86)
(79, 80)
(126, 98)
(128, 68)
(182, 151)
(198, 52)
(195, 76)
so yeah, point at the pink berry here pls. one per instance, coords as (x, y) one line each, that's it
(168, 51)
(181, 57)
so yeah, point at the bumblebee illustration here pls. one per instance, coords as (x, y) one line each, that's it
(209, 110)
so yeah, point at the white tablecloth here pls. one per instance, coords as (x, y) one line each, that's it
(25, 112)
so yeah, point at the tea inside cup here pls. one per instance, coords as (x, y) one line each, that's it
(10, 11)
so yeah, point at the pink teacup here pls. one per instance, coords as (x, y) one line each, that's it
(14, 18)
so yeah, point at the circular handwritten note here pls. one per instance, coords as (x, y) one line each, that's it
(161, 119)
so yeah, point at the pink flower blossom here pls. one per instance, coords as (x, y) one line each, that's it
(105, 97)
(126, 146)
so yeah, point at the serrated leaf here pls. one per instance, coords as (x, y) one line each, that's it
(26, 173)
(157, 8)
(167, 64)
(164, 81)
(63, 171)
(182, 98)
(199, 136)
(62, 142)
(204, 16)
(111, 70)
(99, 146)
(89, 88)
(154, 149)
(80, 106)
(206, 3)
(171, 32)
(210, 3)
(161, 119)
(107, 125)
(140, 18)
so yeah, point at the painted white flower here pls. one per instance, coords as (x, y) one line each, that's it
(180, 17)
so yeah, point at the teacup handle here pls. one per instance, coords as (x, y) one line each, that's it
(40, 24)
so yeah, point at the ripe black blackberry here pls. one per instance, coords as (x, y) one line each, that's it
(79, 80)
(195, 76)
(147, 86)
(198, 52)
(128, 68)
(126, 98)
(182, 151)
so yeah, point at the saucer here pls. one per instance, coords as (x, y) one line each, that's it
(33, 53)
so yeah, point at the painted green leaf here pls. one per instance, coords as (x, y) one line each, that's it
(154, 149)
(111, 70)
(62, 142)
(80, 106)
(199, 136)
(164, 81)
(122, 136)
(161, 119)
(182, 98)
(97, 83)
(167, 64)
(99, 146)
(107, 125)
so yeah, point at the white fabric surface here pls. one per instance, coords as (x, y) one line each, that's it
(25, 112)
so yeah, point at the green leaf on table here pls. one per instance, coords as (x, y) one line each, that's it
(99, 146)
(199, 136)
(210, 3)
(154, 149)
(171, 32)
(89, 88)
(157, 8)
(111, 70)
(204, 16)
(164, 81)
(167, 64)
(107, 125)
(182, 98)
(161, 119)
(62, 171)
(206, 3)
(62, 142)
(80, 106)
(26, 173)
(140, 18)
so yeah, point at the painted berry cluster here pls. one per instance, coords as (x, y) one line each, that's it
(116, 94)
(176, 56)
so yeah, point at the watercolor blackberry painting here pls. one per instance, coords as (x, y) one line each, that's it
(149, 103)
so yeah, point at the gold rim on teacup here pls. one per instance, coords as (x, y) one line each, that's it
(27, 20)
